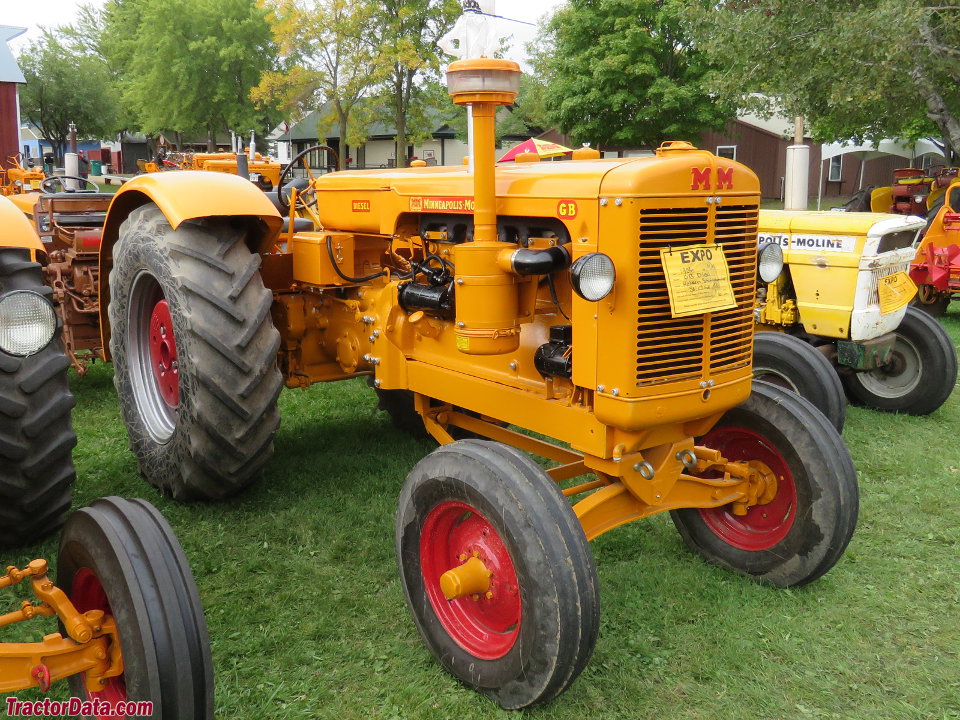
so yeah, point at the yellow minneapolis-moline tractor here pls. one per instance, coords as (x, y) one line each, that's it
(845, 291)
(261, 169)
(16, 179)
(131, 624)
(605, 305)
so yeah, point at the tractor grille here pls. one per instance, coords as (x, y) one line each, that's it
(671, 349)
(873, 298)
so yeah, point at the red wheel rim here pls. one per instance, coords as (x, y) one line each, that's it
(764, 525)
(487, 627)
(88, 594)
(163, 354)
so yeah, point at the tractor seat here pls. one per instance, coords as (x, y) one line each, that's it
(299, 224)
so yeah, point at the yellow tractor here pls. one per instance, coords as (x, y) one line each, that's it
(597, 314)
(261, 169)
(16, 179)
(846, 291)
(67, 214)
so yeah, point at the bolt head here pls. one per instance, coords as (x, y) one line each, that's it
(513, 365)
(461, 324)
(459, 281)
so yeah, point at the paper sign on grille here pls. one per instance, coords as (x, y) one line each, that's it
(698, 280)
(895, 291)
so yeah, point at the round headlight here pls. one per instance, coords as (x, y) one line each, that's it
(770, 262)
(593, 276)
(27, 323)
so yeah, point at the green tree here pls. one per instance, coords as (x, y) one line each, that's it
(189, 65)
(407, 32)
(66, 84)
(326, 55)
(623, 72)
(854, 68)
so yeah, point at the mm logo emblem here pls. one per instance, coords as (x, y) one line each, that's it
(361, 206)
(566, 209)
(701, 178)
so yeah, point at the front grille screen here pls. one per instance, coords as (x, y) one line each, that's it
(671, 349)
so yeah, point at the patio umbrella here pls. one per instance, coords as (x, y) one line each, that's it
(543, 148)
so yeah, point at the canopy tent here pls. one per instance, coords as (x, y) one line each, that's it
(870, 151)
(543, 148)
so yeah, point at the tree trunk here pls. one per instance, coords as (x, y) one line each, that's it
(211, 142)
(937, 110)
(400, 113)
(342, 119)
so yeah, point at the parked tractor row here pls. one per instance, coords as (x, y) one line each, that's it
(598, 314)
(607, 305)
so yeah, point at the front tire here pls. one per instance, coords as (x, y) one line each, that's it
(121, 557)
(36, 439)
(195, 354)
(528, 639)
(920, 375)
(802, 532)
(790, 363)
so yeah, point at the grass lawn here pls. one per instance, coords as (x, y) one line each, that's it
(307, 617)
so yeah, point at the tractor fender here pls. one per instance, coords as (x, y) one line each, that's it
(184, 195)
(17, 230)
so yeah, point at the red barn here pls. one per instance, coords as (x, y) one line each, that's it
(10, 77)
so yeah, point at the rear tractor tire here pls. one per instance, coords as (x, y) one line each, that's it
(802, 532)
(921, 373)
(36, 439)
(121, 556)
(525, 633)
(195, 354)
(790, 363)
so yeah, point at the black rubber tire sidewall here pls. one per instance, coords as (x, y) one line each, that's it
(806, 368)
(154, 600)
(548, 653)
(938, 374)
(826, 487)
(36, 436)
(227, 414)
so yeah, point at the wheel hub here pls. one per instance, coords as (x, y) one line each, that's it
(470, 580)
(766, 515)
(163, 354)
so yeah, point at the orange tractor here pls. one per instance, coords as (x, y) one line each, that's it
(603, 306)
(936, 268)
(132, 637)
(913, 192)
(16, 179)
(261, 169)
(67, 214)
